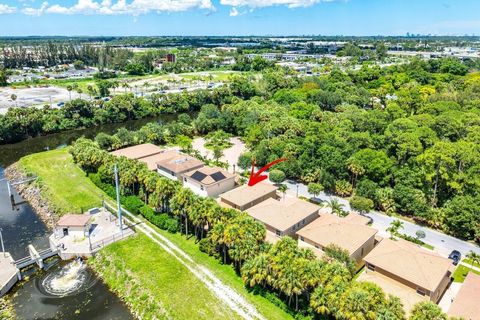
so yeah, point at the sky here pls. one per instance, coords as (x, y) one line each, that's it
(238, 17)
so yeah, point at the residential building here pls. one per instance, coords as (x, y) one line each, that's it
(283, 217)
(466, 304)
(173, 164)
(170, 163)
(73, 225)
(351, 234)
(147, 153)
(209, 181)
(245, 197)
(408, 271)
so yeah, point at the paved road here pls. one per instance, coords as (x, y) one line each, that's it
(443, 243)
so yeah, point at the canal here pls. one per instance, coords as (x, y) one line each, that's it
(67, 290)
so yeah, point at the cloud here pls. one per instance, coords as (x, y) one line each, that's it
(138, 7)
(269, 3)
(35, 12)
(109, 7)
(6, 9)
(233, 12)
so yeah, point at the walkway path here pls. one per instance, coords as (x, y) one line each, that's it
(443, 243)
(230, 297)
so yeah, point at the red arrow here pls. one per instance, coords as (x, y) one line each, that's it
(257, 177)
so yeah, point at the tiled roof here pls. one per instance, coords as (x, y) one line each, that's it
(331, 229)
(282, 214)
(410, 262)
(245, 194)
(209, 175)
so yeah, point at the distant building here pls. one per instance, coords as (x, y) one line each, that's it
(283, 217)
(171, 57)
(245, 197)
(408, 271)
(466, 304)
(209, 181)
(350, 233)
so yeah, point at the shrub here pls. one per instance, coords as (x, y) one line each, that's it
(276, 176)
(146, 212)
(171, 225)
(132, 204)
(361, 204)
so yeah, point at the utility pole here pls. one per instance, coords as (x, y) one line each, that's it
(119, 207)
(1, 240)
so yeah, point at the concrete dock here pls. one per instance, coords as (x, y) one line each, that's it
(8, 272)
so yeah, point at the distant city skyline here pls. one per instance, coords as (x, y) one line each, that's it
(238, 17)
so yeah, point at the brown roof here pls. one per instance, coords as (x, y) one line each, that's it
(245, 194)
(209, 175)
(74, 220)
(282, 214)
(410, 262)
(178, 162)
(138, 151)
(467, 302)
(357, 218)
(331, 229)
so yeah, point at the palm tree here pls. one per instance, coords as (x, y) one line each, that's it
(91, 91)
(283, 189)
(395, 227)
(474, 257)
(336, 207)
(79, 91)
(14, 98)
(69, 89)
(125, 86)
(181, 203)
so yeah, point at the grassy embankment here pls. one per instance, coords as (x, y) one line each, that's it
(141, 272)
(62, 182)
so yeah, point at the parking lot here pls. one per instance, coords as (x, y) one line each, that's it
(35, 96)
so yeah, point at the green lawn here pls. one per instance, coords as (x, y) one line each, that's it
(69, 189)
(63, 182)
(461, 272)
(137, 268)
(227, 274)
(466, 260)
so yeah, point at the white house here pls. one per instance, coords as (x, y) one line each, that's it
(209, 181)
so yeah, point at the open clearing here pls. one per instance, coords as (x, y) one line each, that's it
(27, 97)
(68, 187)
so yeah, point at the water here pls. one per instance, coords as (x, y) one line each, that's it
(67, 290)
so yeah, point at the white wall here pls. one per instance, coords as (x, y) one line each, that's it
(212, 190)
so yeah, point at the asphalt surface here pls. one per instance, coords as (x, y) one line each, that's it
(442, 243)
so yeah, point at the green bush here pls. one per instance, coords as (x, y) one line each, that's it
(132, 204)
(146, 212)
(171, 225)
